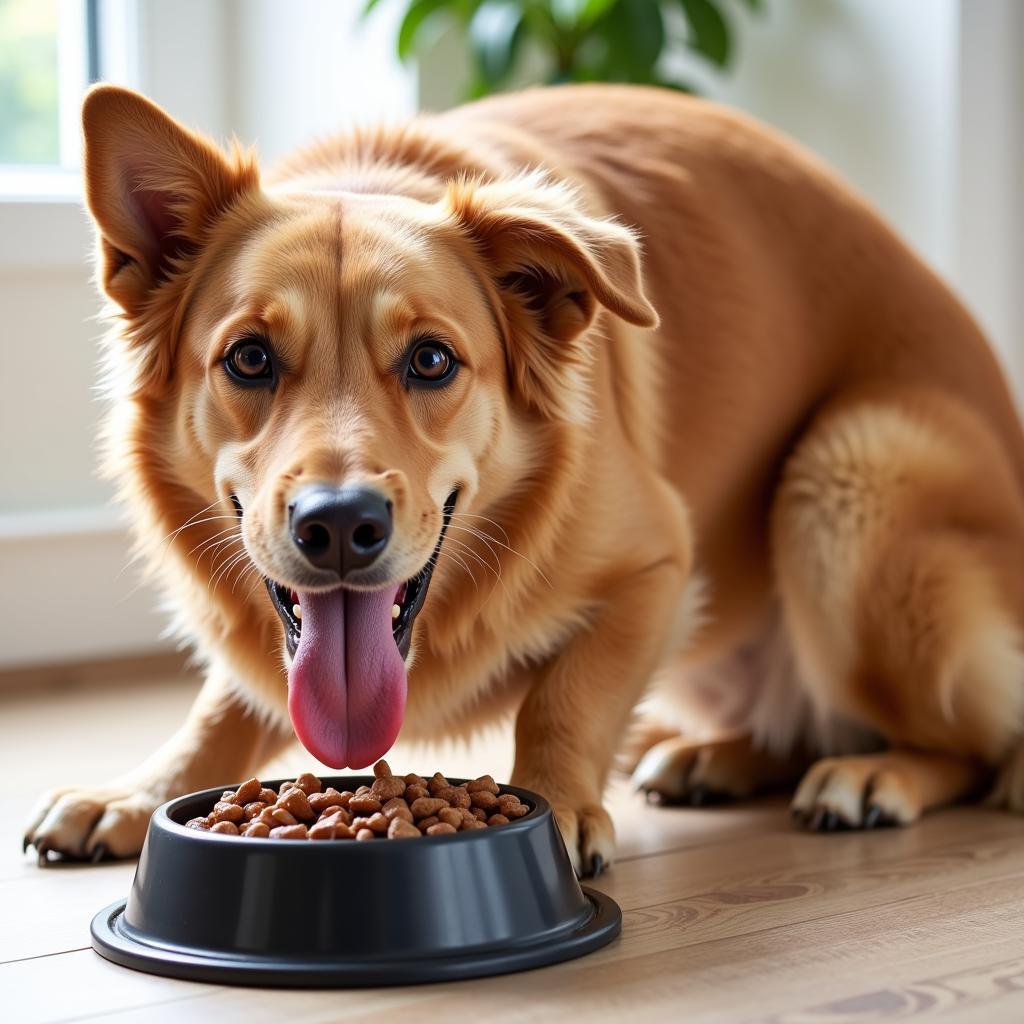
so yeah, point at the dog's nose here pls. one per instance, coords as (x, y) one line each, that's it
(340, 528)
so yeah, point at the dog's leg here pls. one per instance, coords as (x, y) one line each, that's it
(221, 742)
(573, 717)
(682, 770)
(898, 537)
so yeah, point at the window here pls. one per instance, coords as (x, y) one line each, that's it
(45, 48)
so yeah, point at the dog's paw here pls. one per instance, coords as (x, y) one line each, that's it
(1008, 791)
(589, 837)
(90, 824)
(680, 770)
(867, 791)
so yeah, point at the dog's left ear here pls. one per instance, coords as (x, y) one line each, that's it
(553, 266)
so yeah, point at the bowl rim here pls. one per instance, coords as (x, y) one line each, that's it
(162, 818)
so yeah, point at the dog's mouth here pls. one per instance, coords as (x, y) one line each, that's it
(406, 606)
(346, 681)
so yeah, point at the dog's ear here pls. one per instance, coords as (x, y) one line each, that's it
(153, 189)
(553, 265)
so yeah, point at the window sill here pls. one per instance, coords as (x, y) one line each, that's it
(41, 231)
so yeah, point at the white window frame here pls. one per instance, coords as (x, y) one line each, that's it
(42, 222)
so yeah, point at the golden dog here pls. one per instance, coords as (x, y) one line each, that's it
(792, 512)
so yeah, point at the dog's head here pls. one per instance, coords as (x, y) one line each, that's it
(345, 371)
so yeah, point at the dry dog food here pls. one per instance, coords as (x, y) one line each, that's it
(394, 807)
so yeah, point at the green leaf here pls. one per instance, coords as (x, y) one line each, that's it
(709, 33)
(412, 24)
(634, 35)
(494, 35)
(578, 15)
(755, 5)
(368, 7)
(593, 9)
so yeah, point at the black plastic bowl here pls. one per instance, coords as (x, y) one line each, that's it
(220, 908)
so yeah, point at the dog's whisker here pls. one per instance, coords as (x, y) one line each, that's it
(489, 539)
(229, 563)
(466, 549)
(170, 536)
(487, 519)
(461, 562)
(212, 542)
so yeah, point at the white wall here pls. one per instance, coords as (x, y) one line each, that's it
(918, 102)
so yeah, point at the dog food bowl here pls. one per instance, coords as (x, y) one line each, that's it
(339, 913)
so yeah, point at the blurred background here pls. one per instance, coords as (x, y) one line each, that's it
(917, 102)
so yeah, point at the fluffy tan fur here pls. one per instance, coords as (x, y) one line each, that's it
(816, 427)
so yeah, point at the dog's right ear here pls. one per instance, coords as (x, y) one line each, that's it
(153, 189)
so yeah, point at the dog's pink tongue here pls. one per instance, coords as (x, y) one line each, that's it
(346, 688)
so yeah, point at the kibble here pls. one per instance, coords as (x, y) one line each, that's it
(393, 807)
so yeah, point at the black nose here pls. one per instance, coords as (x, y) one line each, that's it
(340, 528)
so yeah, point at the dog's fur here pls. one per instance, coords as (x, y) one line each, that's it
(796, 504)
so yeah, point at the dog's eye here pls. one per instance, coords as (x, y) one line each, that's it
(249, 362)
(431, 362)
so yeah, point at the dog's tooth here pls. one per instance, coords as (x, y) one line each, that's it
(395, 611)
(297, 611)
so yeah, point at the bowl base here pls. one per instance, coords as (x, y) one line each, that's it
(111, 940)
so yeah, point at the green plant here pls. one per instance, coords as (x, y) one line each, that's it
(578, 40)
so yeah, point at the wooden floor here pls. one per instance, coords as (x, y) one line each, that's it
(730, 914)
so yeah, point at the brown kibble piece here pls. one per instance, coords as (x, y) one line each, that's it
(289, 832)
(365, 833)
(497, 819)
(402, 829)
(225, 828)
(412, 779)
(455, 795)
(256, 830)
(485, 784)
(479, 813)
(338, 812)
(364, 804)
(416, 792)
(268, 796)
(280, 816)
(510, 806)
(308, 783)
(382, 770)
(378, 823)
(442, 828)
(396, 806)
(333, 827)
(200, 823)
(483, 798)
(425, 806)
(297, 804)
(227, 797)
(223, 811)
(329, 798)
(451, 816)
(474, 824)
(437, 781)
(425, 823)
(253, 809)
(385, 789)
(248, 791)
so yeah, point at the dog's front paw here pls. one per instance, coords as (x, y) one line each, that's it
(589, 836)
(90, 824)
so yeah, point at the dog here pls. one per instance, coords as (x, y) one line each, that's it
(559, 404)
